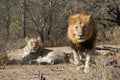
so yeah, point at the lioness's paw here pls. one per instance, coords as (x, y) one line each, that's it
(77, 63)
(81, 67)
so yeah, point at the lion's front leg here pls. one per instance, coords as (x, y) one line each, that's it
(87, 61)
(89, 55)
(76, 58)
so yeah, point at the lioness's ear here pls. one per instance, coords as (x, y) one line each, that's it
(40, 41)
(38, 38)
(26, 39)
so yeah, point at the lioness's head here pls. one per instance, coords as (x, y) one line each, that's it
(33, 43)
(80, 27)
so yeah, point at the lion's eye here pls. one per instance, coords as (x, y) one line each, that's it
(85, 28)
(76, 27)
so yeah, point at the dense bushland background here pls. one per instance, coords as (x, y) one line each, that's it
(49, 19)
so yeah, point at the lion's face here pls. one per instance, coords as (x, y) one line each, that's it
(80, 28)
(33, 43)
(81, 32)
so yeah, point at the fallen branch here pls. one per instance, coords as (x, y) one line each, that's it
(114, 49)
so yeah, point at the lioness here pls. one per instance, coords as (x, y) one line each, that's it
(35, 53)
(82, 35)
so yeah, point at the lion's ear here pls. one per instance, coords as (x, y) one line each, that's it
(26, 39)
(71, 20)
(89, 18)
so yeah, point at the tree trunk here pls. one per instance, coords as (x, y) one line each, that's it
(8, 18)
(24, 17)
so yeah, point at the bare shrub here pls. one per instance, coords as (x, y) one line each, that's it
(3, 60)
(108, 36)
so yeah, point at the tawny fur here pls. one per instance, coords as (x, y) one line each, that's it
(82, 35)
(41, 55)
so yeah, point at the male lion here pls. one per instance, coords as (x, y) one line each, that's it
(82, 35)
(34, 53)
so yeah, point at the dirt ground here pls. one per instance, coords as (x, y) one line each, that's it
(107, 68)
(32, 72)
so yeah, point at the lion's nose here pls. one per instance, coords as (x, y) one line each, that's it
(80, 35)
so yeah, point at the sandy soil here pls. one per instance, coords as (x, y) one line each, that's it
(32, 72)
